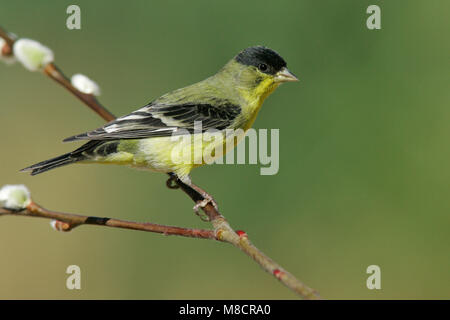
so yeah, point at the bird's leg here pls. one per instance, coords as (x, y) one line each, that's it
(187, 183)
(207, 198)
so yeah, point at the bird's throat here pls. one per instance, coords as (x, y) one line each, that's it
(255, 99)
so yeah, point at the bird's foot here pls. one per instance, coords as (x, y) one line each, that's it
(171, 183)
(203, 203)
(174, 183)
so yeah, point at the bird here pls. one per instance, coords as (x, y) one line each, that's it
(148, 137)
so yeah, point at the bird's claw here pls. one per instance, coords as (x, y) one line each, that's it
(171, 183)
(203, 203)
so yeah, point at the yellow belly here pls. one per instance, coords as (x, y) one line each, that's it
(180, 154)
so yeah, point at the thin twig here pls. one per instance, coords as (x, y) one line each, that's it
(222, 229)
(88, 99)
(69, 221)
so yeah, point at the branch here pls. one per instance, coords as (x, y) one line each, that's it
(68, 221)
(222, 229)
(88, 99)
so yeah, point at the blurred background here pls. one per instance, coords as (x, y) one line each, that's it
(364, 153)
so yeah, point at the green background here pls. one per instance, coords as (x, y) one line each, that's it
(364, 153)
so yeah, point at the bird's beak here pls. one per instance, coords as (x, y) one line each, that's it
(284, 75)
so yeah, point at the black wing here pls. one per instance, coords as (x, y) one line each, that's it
(160, 120)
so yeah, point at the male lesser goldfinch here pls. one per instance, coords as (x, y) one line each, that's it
(230, 99)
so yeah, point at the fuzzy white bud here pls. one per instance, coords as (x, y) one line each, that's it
(33, 55)
(6, 59)
(85, 85)
(54, 225)
(14, 197)
(60, 225)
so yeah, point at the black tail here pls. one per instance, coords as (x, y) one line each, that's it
(68, 158)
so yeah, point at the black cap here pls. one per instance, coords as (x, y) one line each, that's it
(265, 59)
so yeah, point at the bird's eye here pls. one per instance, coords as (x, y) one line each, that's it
(262, 67)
